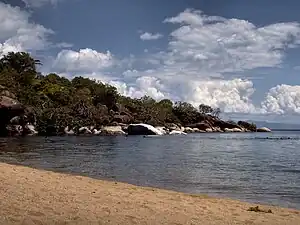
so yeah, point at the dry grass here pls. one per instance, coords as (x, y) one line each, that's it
(30, 196)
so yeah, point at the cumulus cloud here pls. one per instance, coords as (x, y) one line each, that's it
(85, 60)
(17, 33)
(149, 36)
(216, 44)
(203, 52)
(282, 99)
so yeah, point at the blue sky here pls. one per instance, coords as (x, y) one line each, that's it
(239, 55)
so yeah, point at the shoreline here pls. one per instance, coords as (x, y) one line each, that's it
(34, 196)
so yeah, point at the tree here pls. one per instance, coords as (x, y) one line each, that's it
(22, 63)
(205, 109)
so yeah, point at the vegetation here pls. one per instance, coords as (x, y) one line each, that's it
(55, 102)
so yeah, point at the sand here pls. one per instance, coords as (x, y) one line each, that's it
(30, 196)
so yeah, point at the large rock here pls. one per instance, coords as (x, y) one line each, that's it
(68, 131)
(233, 130)
(263, 129)
(143, 129)
(30, 129)
(9, 108)
(176, 132)
(162, 129)
(189, 130)
(112, 130)
(84, 130)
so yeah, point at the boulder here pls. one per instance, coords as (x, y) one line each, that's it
(176, 132)
(218, 129)
(112, 130)
(96, 132)
(69, 131)
(30, 129)
(162, 129)
(263, 129)
(209, 130)
(173, 126)
(189, 130)
(143, 129)
(9, 108)
(233, 130)
(84, 130)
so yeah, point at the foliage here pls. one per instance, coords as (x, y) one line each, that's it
(206, 109)
(58, 102)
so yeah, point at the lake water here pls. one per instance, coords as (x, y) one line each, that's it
(256, 167)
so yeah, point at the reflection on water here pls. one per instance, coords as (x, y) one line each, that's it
(254, 167)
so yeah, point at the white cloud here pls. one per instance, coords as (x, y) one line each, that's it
(149, 36)
(149, 86)
(215, 44)
(85, 60)
(282, 99)
(39, 3)
(17, 33)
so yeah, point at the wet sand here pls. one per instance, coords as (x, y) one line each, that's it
(30, 196)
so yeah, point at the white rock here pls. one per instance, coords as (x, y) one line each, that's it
(264, 129)
(96, 132)
(112, 130)
(162, 129)
(31, 128)
(68, 132)
(189, 130)
(85, 130)
(176, 132)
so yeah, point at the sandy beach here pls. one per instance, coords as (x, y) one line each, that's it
(30, 196)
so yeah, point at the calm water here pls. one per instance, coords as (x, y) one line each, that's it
(258, 167)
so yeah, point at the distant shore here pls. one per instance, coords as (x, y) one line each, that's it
(30, 196)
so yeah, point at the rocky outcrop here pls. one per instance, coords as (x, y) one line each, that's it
(112, 131)
(143, 129)
(10, 108)
(263, 129)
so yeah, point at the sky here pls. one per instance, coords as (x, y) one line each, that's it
(239, 55)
